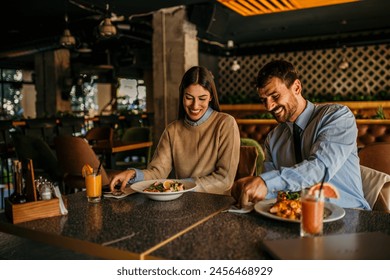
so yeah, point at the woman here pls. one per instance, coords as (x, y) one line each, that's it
(202, 145)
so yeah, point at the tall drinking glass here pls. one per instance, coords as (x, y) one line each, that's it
(93, 185)
(312, 216)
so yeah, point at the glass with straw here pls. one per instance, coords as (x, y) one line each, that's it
(93, 185)
(312, 215)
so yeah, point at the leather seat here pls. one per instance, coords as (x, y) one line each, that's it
(73, 153)
(100, 134)
(372, 133)
(376, 156)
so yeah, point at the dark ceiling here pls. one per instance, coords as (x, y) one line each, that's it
(28, 27)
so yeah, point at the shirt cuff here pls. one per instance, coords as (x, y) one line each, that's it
(274, 183)
(139, 176)
(188, 180)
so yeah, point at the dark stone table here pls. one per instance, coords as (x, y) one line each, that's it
(193, 226)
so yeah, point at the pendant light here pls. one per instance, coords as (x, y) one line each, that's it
(106, 28)
(343, 64)
(67, 40)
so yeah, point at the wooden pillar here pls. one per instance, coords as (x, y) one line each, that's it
(175, 50)
(52, 82)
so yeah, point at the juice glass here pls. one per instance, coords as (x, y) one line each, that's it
(312, 215)
(93, 185)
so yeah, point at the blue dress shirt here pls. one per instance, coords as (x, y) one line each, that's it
(328, 141)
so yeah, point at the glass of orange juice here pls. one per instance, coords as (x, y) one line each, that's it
(93, 185)
(312, 215)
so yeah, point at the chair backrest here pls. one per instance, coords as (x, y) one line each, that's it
(138, 134)
(43, 157)
(376, 188)
(72, 153)
(107, 120)
(70, 125)
(260, 152)
(247, 162)
(44, 128)
(376, 156)
(100, 134)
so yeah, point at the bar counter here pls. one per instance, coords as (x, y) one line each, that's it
(194, 226)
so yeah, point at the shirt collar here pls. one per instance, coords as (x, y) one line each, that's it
(201, 120)
(304, 118)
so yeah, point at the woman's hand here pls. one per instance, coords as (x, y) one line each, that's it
(249, 189)
(122, 179)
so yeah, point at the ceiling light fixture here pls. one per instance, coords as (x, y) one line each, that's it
(67, 40)
(106, 28)
(235, 66)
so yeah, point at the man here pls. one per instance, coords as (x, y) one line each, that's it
(327, 144)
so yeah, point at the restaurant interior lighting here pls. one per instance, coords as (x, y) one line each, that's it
(343, 64)
(257, 7)
(67, 40)
(235, 66)
(106, 28)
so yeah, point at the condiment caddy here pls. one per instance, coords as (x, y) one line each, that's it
(41, 199)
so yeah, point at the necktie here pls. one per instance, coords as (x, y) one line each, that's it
(297, 143)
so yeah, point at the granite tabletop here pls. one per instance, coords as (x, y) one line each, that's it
(125, 228)
(239, 236)
(194, 226)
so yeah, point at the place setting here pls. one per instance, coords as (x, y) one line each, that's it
(291, 206)
(163, 189)
(158, 190)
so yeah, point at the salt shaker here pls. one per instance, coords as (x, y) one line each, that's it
(46, 192)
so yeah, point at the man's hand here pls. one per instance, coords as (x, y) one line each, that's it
(122, 178)
(249, 189)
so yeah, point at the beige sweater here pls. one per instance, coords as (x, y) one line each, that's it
(208, 153)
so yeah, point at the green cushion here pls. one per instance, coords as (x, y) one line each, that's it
(260, 157)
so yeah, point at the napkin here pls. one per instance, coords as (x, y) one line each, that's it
(128, 191)
(57, 193)
(245, 209)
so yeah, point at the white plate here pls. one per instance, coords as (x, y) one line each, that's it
(162, 196)
(332, 211)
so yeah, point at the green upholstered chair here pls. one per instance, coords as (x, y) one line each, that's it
(260, 152)
(136, 158)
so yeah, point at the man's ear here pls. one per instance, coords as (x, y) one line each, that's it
(297, 87)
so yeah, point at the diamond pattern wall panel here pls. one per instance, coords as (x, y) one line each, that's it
(368, 72)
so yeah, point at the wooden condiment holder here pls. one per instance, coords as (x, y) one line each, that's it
(33, 209)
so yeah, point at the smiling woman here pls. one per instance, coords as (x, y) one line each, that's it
(201, 146)
(196, 101)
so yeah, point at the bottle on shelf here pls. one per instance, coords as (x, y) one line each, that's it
(18, 196)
